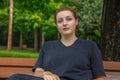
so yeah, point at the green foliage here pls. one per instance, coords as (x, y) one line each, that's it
(4, 19)
(35, 14)
(32, 14)
(90, 14)
(3, 3)
(4, 13)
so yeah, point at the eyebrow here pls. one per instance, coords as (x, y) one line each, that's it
(65, 17)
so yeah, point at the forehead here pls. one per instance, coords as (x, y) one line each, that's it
(64, 14)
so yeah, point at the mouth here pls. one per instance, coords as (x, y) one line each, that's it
(65, 29)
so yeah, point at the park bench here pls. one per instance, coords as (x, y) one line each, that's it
(9, 66)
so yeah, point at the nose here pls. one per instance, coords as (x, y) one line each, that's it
(64, 23)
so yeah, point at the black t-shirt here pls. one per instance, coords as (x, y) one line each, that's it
(80, 61)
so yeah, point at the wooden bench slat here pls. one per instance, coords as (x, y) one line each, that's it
(111, 66)
(5, 72)
(17, 62)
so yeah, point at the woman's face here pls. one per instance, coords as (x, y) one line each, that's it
(66, 22)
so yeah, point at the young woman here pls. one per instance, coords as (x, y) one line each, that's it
(68, 58)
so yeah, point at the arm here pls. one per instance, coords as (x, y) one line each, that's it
(97, 64)
(39, 68)
(101, 78)
(39, 72)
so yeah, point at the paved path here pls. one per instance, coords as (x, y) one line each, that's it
(113, 75)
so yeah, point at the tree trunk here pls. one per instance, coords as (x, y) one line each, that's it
(21, 39)
(36, 40)
(43, 39)
(111, 30)
(10, 27)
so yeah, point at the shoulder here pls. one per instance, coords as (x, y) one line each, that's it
(87, 42)
(91, 46)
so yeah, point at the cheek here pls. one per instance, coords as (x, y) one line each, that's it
(59, 28)
(73, 27)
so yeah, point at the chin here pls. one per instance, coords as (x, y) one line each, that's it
(66, 33)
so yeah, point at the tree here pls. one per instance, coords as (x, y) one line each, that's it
(38, 16)
(4, 15)
(32, 18)
(10, 26)
(111, 30)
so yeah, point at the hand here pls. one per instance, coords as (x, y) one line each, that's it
(39, 72)
(50, 76)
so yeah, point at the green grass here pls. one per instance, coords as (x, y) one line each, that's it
(18, 53)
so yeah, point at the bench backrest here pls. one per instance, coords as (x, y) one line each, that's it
(111, 66)
(17, 62)
(9, 66)
(29, 63)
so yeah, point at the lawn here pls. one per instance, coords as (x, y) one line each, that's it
(18, 53)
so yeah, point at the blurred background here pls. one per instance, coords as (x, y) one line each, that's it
(26, 24)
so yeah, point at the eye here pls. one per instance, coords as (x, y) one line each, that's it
(60, 21)
(68, 19)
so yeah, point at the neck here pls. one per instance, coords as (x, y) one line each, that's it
(68, 39)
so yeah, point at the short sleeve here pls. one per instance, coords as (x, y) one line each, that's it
(39, 62)
(96, 61)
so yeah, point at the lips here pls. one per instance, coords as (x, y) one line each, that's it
(65, 29)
